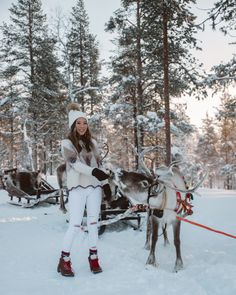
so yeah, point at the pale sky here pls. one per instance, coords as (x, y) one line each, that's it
(215, 48)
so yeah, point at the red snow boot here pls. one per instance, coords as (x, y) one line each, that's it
(93, 262)
(64, 267)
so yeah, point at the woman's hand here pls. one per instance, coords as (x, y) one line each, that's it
(99, 174)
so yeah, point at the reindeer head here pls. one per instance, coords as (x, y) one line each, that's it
(132, 184)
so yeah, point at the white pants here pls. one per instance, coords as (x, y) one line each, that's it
(78, 199)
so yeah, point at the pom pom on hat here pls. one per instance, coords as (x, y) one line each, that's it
(74, 113)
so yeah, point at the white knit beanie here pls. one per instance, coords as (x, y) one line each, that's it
(74, 113)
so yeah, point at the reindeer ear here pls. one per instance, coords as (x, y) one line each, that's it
(144, 183)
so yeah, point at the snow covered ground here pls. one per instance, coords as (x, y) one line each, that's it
(31, 244)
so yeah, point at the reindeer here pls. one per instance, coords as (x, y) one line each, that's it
(158, 192)
(21, 183)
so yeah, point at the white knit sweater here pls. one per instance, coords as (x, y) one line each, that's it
(79, 166)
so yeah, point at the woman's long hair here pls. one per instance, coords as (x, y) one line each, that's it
(75, 138)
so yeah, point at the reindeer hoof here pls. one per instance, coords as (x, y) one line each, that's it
(147, 246)
(150, 267)
(151, 261)
(64, 211)
(178, 265)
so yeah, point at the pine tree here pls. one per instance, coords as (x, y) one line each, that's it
(206, 150)
(30, 49)
(50, 83)
(139, 64)
(94, 89)
(83, 60)
(227, 143)
(222, 16)
(12, 103)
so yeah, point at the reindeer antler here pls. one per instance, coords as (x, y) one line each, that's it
(164, 170)
(106, 147)
(141, 159)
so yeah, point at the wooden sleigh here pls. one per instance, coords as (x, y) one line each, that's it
(29, 189)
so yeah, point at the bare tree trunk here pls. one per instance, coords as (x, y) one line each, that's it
(166, 84)
(12, 144)
(35, 142)
(82, 82)
(139, 62)
(139, 87)
(51, 162)
(33, 92)
(136, 140)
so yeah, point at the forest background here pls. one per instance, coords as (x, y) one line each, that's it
(135, 99)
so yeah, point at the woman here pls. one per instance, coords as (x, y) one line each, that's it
(85, 182)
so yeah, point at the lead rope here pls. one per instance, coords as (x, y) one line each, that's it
(114, 219)
(205, 227)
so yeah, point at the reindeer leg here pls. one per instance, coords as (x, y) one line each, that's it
(166, 241)
(176, 231)
(148, 231)
(151, 258)
(62, 202)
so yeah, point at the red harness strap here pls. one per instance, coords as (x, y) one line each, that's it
(183, 206)
(178, 199)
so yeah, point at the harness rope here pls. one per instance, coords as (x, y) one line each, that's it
(114, 219)
(205, 227)
(117, 218)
